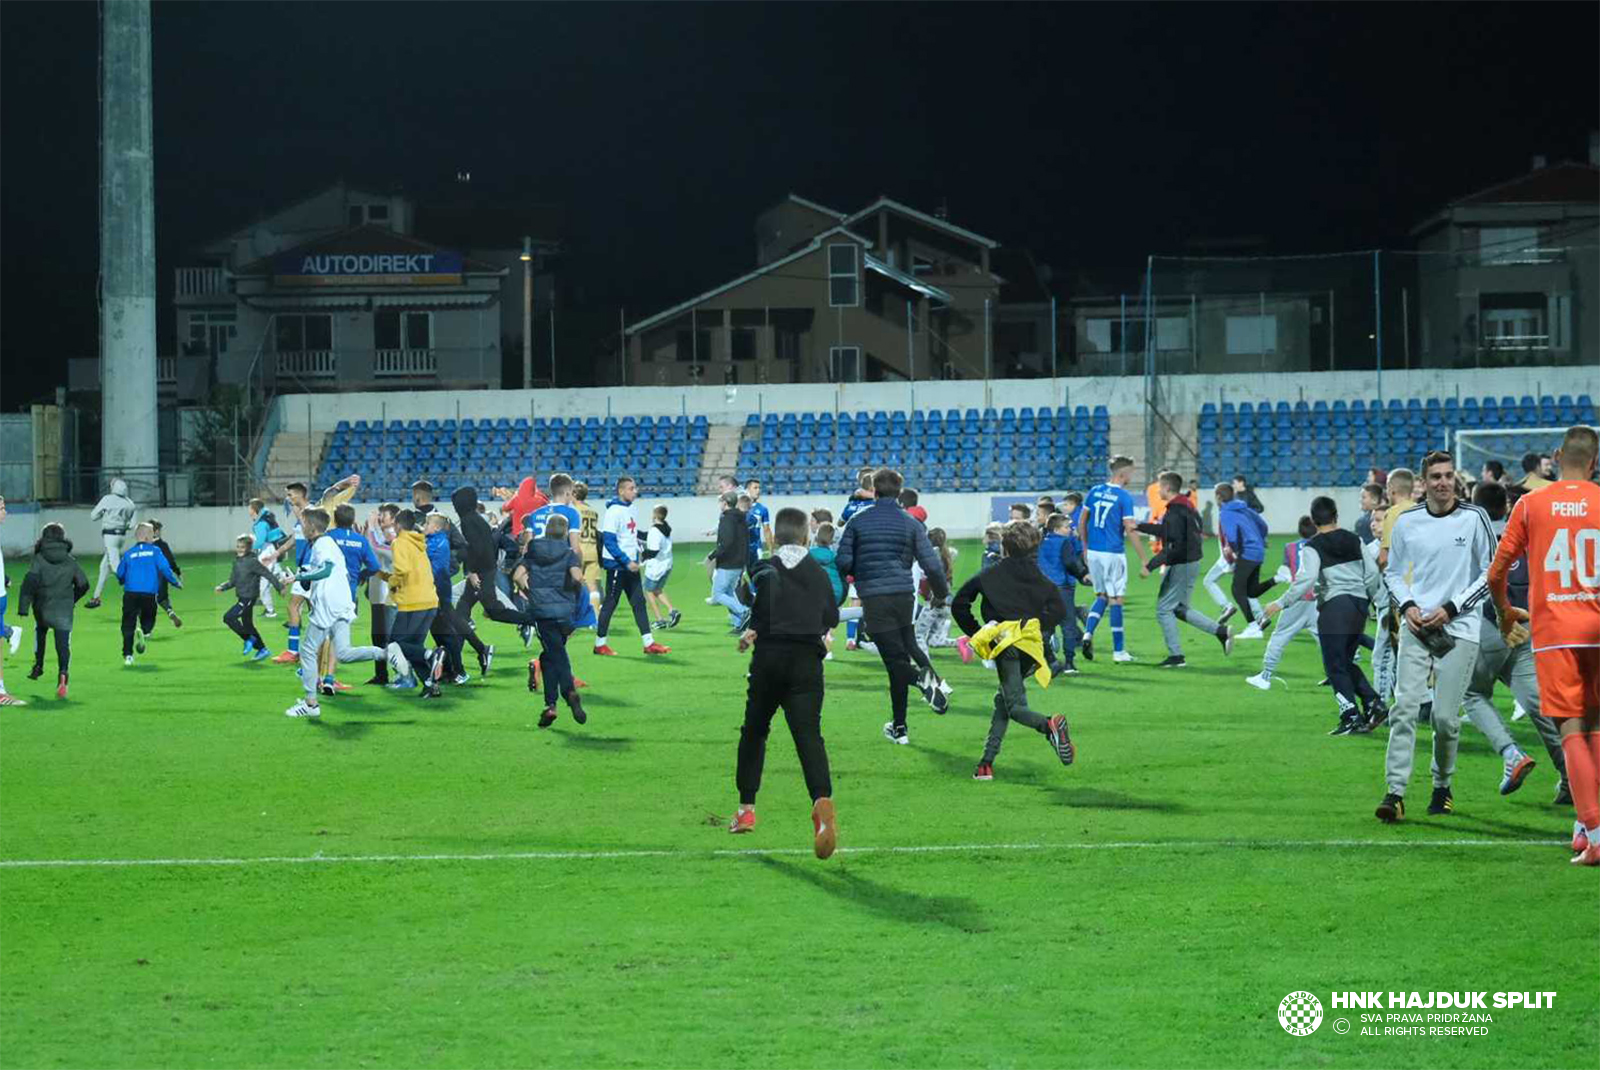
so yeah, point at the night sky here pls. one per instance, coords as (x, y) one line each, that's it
(1092, 134)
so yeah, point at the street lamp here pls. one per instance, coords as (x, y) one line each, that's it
(527, 312)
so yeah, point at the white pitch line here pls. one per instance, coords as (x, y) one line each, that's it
(627, 855)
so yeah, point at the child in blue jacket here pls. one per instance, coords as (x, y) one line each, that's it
(140, 572)
(1246, 532)
(1061, 560)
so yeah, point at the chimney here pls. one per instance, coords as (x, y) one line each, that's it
(1594, 147)
(1539, 163)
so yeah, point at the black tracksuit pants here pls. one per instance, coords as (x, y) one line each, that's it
(1341, 625)
(63, 646)
(786, 673)
(137, 610)
(240, 617)
(382, 616)
(888, 617)
(622, 581)
(446, 630)
(1247, 584)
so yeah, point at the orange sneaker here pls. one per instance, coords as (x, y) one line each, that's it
(579, 683)
(533, 675)
(340, 685)
(288, 657)
(743, 821)
(657, 648)
(824, 831)
(605, 651)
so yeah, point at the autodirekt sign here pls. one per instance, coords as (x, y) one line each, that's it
(356, 269)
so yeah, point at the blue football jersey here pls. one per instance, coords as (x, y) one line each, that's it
(1107, 506)
(539, 519)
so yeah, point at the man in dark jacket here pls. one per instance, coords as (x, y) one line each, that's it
(552, 572)
(793, 607)
(53, 585)
(729, 558)
(877, 549)
(1179, 532)
(480, 556)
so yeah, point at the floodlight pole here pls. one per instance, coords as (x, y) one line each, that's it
(527, 315)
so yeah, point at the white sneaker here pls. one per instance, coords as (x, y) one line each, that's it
(988, 664)
(128, 660)
(1122, 656)
(1252, 632)
(270, 614)
(828, 656)
(711, 601)
(16, 638)
(869, 647)
(303, 709)
(901, 737)
(1517, 712)
(461, 679)
(138, 641)
(1259, 682)
(398, 667)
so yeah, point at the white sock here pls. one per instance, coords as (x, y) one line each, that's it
(599, 641)
(648, 638)
(1510, 751)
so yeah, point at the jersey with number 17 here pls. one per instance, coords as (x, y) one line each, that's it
(1107, 506)
(1559, 528)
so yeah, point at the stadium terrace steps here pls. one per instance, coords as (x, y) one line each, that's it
(721, 456)
(295, 456)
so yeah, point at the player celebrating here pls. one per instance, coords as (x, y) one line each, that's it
(1104, 526)
(1558, 526)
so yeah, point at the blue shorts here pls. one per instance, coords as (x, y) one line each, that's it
(657, 585)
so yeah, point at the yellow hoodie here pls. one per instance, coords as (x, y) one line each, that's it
(411, 576)
(1000, 635)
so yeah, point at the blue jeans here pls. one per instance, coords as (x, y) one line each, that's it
(724, 582)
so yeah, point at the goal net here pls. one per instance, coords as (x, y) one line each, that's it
(1508, 445)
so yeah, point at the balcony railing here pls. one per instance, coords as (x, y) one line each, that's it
(201, 282)
(405, 363)
(308, 364)
(166, 371)
(1512, 257)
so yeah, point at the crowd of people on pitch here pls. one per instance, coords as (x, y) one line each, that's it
(1420, 560)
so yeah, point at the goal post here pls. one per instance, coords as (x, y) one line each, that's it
(1508, 445)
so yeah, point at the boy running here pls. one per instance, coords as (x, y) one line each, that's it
(1179, 532)
(1104, 527)
(245, 581)
(163, 599)
(140, 572)
(1021, 606)
(552, 573)
(794, 605)
(332, 608)
(416, 600)
(53, 585)
(115, 513)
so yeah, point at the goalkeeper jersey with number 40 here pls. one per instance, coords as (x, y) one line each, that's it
(1559, 528)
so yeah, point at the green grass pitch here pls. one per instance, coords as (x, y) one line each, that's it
(442, 884)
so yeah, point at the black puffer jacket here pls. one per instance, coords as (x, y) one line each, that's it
(552, 592)
(482, 553)
(54, 583)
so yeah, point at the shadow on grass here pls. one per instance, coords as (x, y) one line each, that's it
(579, 739)
(892, 904)
(349, 730)
(607, 701)
(1100, 799)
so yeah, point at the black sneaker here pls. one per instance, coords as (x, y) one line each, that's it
(1442, 802)
(1225, 637)
(525, 633)
(93, 603)
(1088, 648)
(548, 717)
(1425, 714)
(1060, 741)
(576, 706)
(36, 672)
(1174, 661)
(485, 660)
(1227, 614)
(1347, 724)
(1563, 795)
(1391, 809)
(673, 618)
(1377, 717)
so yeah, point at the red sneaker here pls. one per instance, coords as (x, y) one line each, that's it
(657, 648)
(1590, 856)
(288, 657)
(340, 685)
(985, 771)
(61, 688)
(743, 821)
(579, 683)
(824, 829)
(605, 651)
(533, 675)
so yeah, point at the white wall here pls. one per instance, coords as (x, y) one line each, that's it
(211, 529)
(1122, 395)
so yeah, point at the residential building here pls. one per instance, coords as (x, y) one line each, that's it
(888, 292)
(1509, 275)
